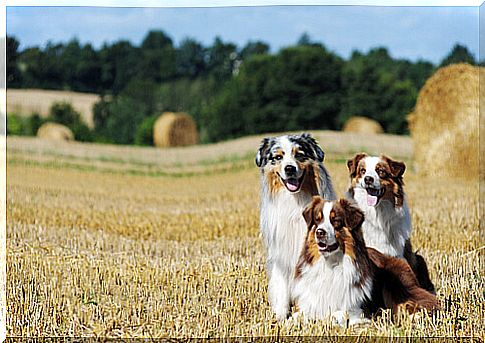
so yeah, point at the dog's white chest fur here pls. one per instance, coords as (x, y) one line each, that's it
(284, 228)
(386, 228)
(331, 287)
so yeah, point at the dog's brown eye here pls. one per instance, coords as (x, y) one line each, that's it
(337, 223)
(278, 157)
(363, 170)
(299, 155)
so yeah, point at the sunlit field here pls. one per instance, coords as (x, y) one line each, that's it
(139, 242)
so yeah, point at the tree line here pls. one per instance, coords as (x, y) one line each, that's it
(230, 91)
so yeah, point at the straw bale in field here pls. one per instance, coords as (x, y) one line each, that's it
(359, 124)
(174, 129)
(54, 131)
(445, 123)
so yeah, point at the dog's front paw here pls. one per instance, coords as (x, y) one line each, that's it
(348, 318)
(281, 314)
(359, 321)
(339, 318)
(296, 315)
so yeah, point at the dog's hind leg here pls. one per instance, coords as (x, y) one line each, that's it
(279, 292)
(419, 267)
(422, 273)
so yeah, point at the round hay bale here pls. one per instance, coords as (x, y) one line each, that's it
(174, 129)
(359, 124)
(444, 124)
(56, 132)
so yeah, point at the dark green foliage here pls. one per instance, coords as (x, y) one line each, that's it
(381, 88)
(191, 57)
(32, 124)
(156, 39)
(221, 59)
(118, 65)
(116, 120)
(82, 132)
(304, 39)
(63, 113)
(87, 74)
(13, 71)
(144, 131)
(417, 72)
(15, 124)
(125, 115)
(229, 91)
(297, 89)
(254, 48)
(41, 68)
(100, 117)
(59, 66)
(23, 126)
(158, 58)
(459, 54)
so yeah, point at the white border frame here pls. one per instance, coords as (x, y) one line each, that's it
(144, 3)
(235, 3)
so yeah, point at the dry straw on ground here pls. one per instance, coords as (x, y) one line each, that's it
(444, 124)
(92, 253)
(55, 132)
(174, 129)
(359, 124)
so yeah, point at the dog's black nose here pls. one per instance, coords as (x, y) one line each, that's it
(368, 180)
(320, 233)
(289, 169)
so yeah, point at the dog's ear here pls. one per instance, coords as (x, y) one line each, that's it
(397, 167)
(354, 162)
(313, 211)
(353, 216)
(319, 153)
(262, 154)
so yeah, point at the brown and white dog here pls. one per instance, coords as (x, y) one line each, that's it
(377, 186)
(338, 277)
(292, 171)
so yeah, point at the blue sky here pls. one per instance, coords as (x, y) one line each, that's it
(408, 32)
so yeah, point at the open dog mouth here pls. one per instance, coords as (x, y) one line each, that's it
(324, 247)
(293, 184)
(373, 195)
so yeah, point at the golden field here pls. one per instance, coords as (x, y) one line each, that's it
(28, 101)
(139, 242)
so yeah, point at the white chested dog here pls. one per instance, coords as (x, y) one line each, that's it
(338, 277)
(377, 186)
(292, 172)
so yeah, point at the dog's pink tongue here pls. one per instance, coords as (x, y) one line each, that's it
(292, 187)
(371, 200)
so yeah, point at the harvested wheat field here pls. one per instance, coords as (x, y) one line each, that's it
(121, 242)
(28, 101)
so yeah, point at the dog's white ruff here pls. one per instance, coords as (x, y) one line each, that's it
(330, 288)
